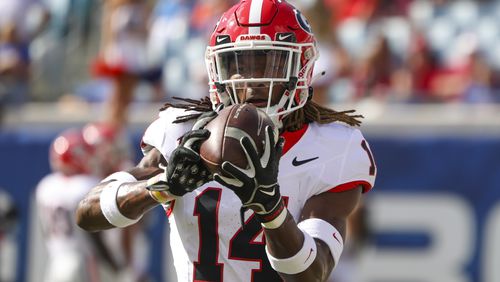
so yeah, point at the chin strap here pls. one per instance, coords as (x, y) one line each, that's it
(277, 120)
(223, 98)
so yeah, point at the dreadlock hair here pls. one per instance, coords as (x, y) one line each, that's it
(311, 112)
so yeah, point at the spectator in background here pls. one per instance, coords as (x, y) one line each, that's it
(180, 29)
(423, 65)
(202, 22)
(343, 89)
(387, 8)
(325, 67)
(435, 79)
(8, 220)
(374, 75)
(344, 9)
(480, 86)
(124, 54)
(78, 159)
(205, 15)
(333, 71)
(20, 22)
(428, 71)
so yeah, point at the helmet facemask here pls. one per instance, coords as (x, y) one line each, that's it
(242, 71)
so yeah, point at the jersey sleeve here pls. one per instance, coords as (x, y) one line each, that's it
(354, 167)
(163, 134)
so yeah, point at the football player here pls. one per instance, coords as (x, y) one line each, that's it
(9, 218)
(77, 164)
(283, 217)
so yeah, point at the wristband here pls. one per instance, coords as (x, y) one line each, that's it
(276, 219)
(122, 176)
(109, 207)
(298, 262)
(321, 229)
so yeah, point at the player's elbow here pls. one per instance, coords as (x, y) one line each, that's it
(81, 220)
(84, 217)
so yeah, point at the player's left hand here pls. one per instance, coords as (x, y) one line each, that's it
(257, 186)
(184, 171)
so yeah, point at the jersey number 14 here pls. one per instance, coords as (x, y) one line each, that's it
(241, 246)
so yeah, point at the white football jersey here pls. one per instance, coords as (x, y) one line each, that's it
(57, 198)
(207, 239)
(71, 253)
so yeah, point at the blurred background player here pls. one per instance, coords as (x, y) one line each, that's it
(124, 56)
(78, 158)
(9, 215)
(113, 152)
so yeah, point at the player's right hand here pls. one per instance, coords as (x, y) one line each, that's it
(184, 171)
(257, 186)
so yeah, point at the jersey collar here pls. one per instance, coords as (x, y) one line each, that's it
(292, 137)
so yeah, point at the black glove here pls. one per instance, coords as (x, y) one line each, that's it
(257, 186)
(185, 171)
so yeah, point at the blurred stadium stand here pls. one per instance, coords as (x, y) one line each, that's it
(380, 119)
(452, 30)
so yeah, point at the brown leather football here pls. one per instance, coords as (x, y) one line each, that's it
(231, 124)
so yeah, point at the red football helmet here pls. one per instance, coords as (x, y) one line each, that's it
(112, 148)
(70, 154)
(266, 44)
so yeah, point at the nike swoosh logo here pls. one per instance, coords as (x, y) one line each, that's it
(220, 39)
(283, 37)
(335, 236)
(269, 193)
(296, 162)
(310, 252)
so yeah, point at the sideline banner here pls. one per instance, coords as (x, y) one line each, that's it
(435, 209)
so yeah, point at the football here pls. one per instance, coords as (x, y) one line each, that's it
(226, 130)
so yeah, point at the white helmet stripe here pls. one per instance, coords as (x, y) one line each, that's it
(255, 16)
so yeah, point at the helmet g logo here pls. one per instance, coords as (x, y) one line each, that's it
(304, 24)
